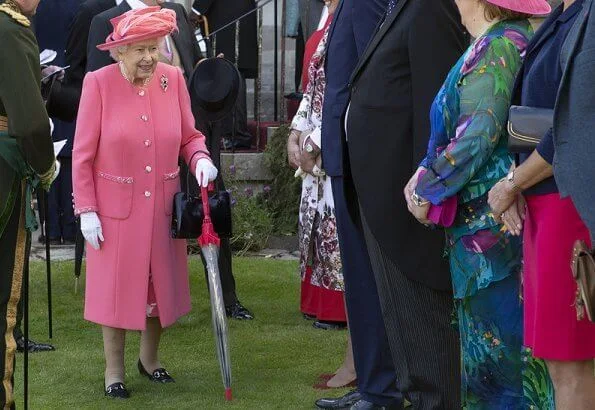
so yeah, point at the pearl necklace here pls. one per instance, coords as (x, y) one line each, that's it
(127, 78)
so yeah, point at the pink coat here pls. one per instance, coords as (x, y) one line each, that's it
(125, 168)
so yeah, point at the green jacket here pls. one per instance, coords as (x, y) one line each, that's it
(26, 145)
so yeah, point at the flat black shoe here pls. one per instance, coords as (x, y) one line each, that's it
(117, 391)
(158, 376)
(343, 402)
(320, 324)
(239, 312)
(33, 346)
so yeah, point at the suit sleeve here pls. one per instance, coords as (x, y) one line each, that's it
(28, 121)
(436, 41)
(196, 53)
(485, 94)
(98, 32)
(366, 16)
(86, 141)
(193, 141)
(65, 95)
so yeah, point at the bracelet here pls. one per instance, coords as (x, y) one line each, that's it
(418, 201)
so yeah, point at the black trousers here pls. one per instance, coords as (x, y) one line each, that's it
(228, 283)
(14, 245)
(235, 124)
(423, 342)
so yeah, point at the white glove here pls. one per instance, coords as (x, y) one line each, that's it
(91, 229)
(205, 172)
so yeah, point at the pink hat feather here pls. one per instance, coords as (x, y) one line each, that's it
(140, 24)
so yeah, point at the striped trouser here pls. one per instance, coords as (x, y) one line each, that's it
(14, 242)
(423, 342)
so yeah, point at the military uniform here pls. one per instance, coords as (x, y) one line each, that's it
(26, 161)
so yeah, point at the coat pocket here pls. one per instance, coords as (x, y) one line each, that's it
(114, 195)
(171, 186)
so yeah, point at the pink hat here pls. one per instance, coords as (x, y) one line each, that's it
(533, 7)
(140, 24)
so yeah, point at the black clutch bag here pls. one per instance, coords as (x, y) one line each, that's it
(187, 215)
(526, 127)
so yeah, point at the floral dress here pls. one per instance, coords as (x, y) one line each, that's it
(467, 155)
(320, 260)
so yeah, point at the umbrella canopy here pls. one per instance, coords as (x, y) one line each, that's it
(209, 243)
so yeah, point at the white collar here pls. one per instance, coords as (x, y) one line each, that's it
(136, 4)
(118, 2)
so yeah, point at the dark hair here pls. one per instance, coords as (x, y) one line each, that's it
(493, 12)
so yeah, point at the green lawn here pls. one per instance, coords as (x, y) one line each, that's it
(275, 358)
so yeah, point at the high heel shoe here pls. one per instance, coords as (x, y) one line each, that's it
(158, 376)
(117, 391)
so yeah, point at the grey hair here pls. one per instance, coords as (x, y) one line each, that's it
(114, 52)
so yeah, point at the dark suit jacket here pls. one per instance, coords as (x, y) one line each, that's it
(184, 39)
(52, 24)
(221, 12)
(352, 28)
(574, 120)
(65, 95)
(388, 127)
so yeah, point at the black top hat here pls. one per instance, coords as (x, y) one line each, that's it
(214, 87)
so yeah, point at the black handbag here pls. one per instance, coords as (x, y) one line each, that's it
(526, 127)
(187, 215)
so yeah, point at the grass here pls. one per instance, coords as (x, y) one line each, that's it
(275, 358)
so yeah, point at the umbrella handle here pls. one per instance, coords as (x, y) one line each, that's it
(204, 196)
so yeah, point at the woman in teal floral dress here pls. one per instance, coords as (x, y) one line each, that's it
(467, 155)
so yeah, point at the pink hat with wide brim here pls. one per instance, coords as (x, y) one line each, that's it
(533, 7)
(138, 25)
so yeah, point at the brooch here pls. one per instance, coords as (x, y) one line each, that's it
(164, 82)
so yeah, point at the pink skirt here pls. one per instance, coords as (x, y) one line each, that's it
(551, 328)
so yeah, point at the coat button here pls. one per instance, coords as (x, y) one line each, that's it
(148, 169)
(141, 93)
(144, 118)
(147, 194)
(147, 143)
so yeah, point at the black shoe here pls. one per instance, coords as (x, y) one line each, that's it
(33, 346)
(324, 325)
(117, 391)
(366, 405)
(343, 402)
(238, 311)
(158, 376)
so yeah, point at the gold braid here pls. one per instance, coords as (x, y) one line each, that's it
(13, 10)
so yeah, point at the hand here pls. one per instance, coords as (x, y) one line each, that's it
(410, 187)
(205, 172)
(53, 69)
(293, 149)
(91, 229)
(308, 160)
(514, 216)
(500, 198)
(421, 213)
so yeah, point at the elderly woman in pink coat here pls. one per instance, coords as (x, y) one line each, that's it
(134, 122)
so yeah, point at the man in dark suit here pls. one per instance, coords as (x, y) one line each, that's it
(574, 120)
(387, 129)
(219, 13)
(185, 53)
(351, 30)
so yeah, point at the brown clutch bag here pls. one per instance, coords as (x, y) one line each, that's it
(583, 271)
(526, 127)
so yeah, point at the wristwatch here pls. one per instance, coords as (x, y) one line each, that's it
(417, 200)
(510, 179)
